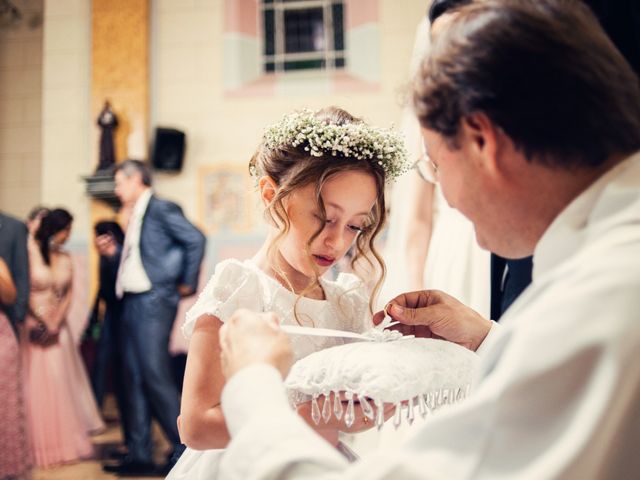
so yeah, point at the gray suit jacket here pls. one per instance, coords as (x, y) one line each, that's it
(13, 249)
(171, 247)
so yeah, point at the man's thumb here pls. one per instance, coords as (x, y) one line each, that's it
(409, 316)
(401, 314)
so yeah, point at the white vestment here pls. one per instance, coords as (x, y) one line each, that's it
(558, 395)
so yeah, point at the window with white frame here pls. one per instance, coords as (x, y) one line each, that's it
(302, 35)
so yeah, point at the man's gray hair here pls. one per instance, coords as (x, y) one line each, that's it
(130, 167)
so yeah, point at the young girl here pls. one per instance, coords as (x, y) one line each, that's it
(61, 409)
(321, 179)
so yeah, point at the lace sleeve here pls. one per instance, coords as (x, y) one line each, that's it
(232, 286)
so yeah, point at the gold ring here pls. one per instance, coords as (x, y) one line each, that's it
(365, 420)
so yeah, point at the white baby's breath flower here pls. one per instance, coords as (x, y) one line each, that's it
(356, 140)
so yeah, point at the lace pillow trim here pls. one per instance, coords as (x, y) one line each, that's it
(418, 376)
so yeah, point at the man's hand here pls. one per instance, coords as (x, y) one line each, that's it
(434, 314)
(105, 245)
(249, 338)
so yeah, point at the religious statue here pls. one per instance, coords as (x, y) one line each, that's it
(107, 121)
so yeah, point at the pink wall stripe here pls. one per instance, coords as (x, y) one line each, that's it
(360, 12)
(241, 16)
(264, 86)
(343, 82)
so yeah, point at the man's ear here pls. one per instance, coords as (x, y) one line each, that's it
(482, 140)
(267, 188)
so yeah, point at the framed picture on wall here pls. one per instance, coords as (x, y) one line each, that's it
(225, 199)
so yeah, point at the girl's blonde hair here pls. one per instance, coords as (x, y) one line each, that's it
(292, 168)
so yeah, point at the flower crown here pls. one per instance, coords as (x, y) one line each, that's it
(354, 140)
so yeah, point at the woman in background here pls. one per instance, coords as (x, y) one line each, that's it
(35, 217)
(62, 411)
(15, 456)
(431, 245)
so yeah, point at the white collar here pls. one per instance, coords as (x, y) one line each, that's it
(602, 200)
(143, 201)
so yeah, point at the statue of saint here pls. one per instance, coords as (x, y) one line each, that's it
(107, 121)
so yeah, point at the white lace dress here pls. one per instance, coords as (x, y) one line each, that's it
(238, 284)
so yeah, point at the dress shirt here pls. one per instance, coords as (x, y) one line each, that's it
(558, 389)
(131, 274)
(509, 278)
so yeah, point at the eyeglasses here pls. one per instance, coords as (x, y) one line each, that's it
(426, 168)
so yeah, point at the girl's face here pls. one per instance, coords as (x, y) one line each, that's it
(348, 199)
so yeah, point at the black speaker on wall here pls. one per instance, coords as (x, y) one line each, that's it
(167, 152)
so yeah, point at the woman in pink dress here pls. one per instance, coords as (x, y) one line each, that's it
(15, 455)
(61, 408)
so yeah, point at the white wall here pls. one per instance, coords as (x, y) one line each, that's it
(67, 130)
(48, 140)
(188, 68)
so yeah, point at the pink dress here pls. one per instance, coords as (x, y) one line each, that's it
(15, 452)
(61, 409)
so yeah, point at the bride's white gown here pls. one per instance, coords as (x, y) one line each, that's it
(238, 284)
(455, 262)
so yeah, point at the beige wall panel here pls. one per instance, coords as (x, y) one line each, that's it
(20, 111)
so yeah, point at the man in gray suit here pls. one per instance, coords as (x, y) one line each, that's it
(13, 250)
(158, 263)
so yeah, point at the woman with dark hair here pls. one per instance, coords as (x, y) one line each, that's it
(35, 217)
(60, 404)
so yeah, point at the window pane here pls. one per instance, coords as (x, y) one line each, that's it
(304, 30)
(269, 32)
(303, 33)
(304, 65)
(337, 11)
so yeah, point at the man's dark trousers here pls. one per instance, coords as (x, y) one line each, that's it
(147, 321)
